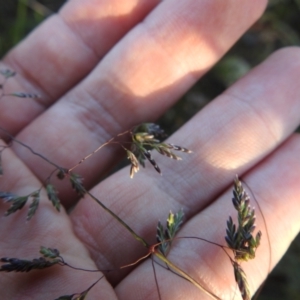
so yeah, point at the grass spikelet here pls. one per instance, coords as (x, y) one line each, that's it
(147, 137)
(164, 236)
(24, 95)
(239, 237)
(7, 73)
(241, 280)
(34, 204)
(134, 163)
(76, 181)
(52, 196)
(22, 265)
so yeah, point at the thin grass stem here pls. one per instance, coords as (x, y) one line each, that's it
(134, 234)
(99, 148)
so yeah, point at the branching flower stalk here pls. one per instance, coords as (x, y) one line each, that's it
(164, 237)
(144, 138)
(239, 239)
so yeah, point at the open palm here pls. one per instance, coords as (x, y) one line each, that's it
(100, 68)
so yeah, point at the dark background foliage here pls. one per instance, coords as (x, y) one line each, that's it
(278, 27)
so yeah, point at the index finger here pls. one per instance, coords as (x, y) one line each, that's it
(62, 51)
(136, 82)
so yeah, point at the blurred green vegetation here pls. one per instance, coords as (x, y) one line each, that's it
(278, 27)
(19, 17)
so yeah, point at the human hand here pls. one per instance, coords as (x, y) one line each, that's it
(84, 102)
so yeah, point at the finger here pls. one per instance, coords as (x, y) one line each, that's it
(228, 137)
(276, 187)
(140, 78)
(62, 51)
(22, 239)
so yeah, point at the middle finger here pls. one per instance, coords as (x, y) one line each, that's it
(137, 81)
(228, 137)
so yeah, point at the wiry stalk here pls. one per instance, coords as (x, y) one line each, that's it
(135, 235)
(185, 275)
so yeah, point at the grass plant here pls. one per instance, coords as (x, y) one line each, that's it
(142, 140)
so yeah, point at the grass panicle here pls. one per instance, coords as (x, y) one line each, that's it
(164, 236)
(50, 258)
(240, 237)
(147, 137)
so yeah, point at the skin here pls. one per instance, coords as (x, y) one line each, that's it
(105, 66)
